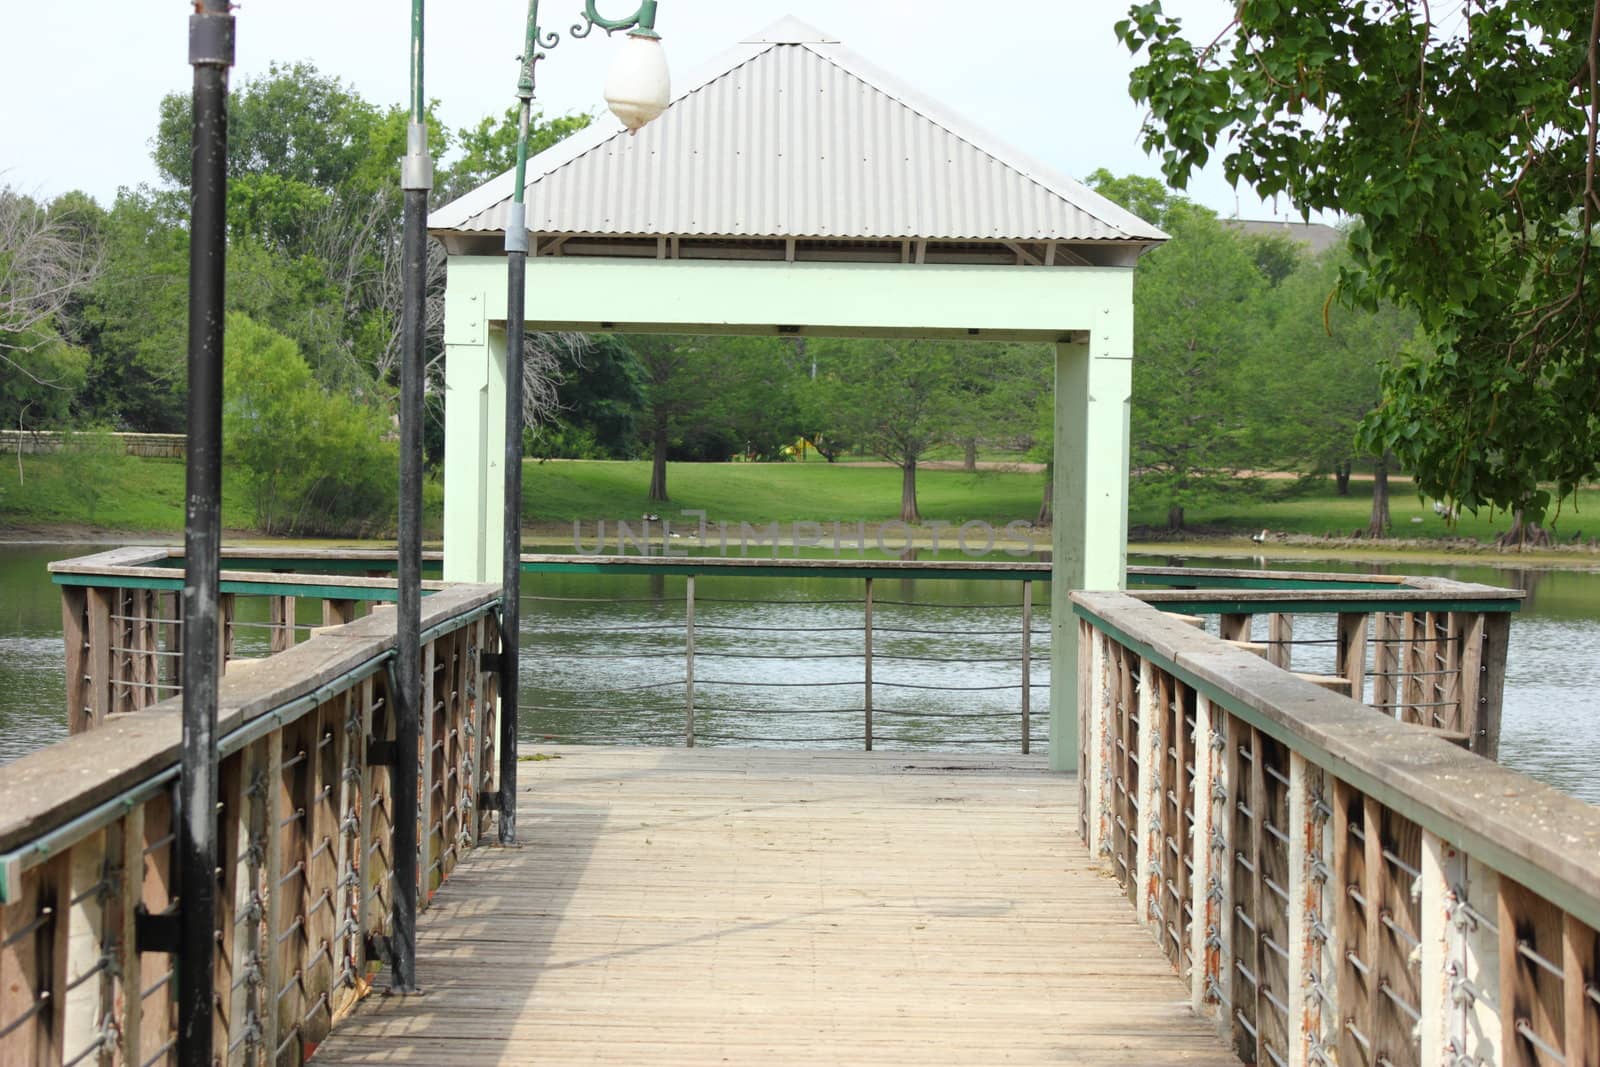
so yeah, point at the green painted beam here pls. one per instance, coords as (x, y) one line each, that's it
(245, 588)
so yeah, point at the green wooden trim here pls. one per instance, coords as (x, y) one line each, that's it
(1266, 581)
(1329, 607)
(778, 569)
(1585, 907)
(247, 588)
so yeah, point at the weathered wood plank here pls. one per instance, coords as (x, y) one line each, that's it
(675, 907)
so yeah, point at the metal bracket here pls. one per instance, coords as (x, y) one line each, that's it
(156, 931)
(383, 754)
(416, 166)
(210, 40)
(490, 662)
(488, 801)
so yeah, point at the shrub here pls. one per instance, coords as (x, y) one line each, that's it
(313, 462)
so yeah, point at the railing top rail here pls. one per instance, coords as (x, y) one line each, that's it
(65, 786)
(1195, 590)
(129, 568)
(1541, 837)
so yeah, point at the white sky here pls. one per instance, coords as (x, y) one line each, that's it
(82, 80)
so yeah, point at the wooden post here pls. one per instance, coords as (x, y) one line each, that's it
(1204, 900)
(81, 912)
(1027, 665)
(74, 634)
(99, 672)
(130, 892)
(282, 622)
(1491, 685)
(1351, 653)
(688, 661)
(867, 684)
(1144, 742)
(1280, 632)
(338, 612)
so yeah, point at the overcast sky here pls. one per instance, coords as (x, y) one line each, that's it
(82, 80)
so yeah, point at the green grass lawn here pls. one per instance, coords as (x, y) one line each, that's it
(122, 493)
(772, 492)
(1322, 512)
(106, 491)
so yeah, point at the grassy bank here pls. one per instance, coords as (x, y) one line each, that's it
(1323, 513)
(772, 492)
(125, 493)
(66, 495)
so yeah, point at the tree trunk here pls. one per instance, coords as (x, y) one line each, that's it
(658, 461)
(1378, 524)
(908, 493)
(971, 461)
(1341, 477)
(1523, 535)
(1175, 517)
(1047, 509)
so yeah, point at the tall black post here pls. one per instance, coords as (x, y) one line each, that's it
(416, 178)
(211, 55)
(511, 574)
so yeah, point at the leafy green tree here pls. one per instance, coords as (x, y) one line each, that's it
(489, 149)
(313, 462)
(133, 319)
(1466, 147)
(1197, 302)
(1326, 363)
(899, 399)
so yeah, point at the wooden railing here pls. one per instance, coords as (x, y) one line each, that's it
(1426, 651)
(124, 633)
(1335, 887)
(305, 844)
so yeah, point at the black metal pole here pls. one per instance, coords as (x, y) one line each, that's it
(211, 54)
(511, 576)
(416, 178)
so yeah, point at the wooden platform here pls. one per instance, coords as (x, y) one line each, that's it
(731, 906)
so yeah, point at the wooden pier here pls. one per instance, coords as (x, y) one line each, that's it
(1254, 862)
(671, 906)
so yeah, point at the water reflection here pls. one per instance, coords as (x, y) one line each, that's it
(584, 650)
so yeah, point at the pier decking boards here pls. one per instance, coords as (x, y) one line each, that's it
(739, 906)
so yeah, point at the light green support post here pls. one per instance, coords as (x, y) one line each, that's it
(474, 442)
(1094, 378)
(1092, 306)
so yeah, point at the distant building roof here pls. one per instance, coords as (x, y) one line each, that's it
(790, 135)
(1318, 236)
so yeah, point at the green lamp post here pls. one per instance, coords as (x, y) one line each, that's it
(638, 89)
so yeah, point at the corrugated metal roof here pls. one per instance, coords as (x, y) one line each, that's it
(792, 135)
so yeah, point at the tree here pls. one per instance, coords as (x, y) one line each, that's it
(47, 257)
(1194, 419)
(489, 149)
(313, 462)
(1326, 361)
(1466, 148)
(899, 399)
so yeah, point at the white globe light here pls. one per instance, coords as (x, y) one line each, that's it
(639, 87)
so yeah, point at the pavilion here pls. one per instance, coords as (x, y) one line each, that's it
(793, 188)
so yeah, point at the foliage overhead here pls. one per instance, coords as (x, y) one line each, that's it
(1463, 139)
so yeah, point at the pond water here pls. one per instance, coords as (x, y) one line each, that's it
(779, 660)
